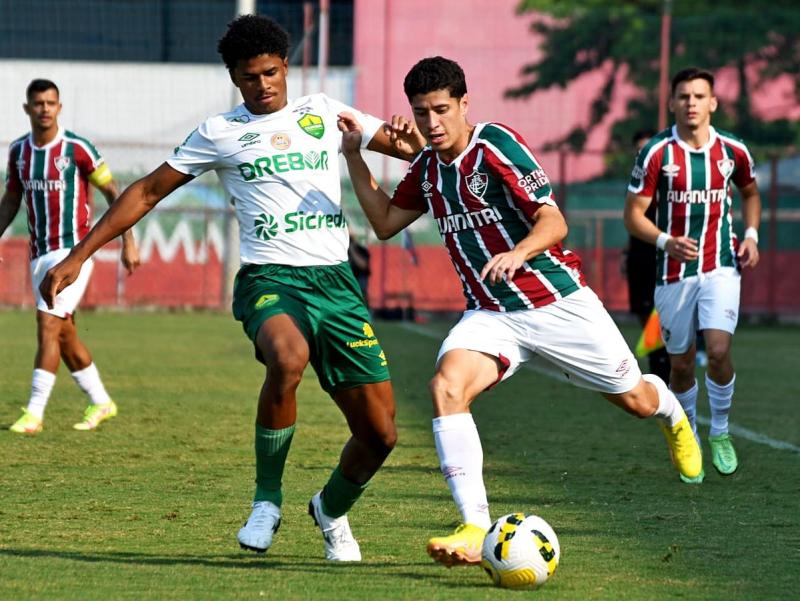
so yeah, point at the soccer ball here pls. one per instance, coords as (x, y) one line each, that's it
(520, 551)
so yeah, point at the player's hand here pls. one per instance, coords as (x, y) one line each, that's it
(352, 132)
(58, 278)
(748, 253)
(502, 267)
(682, 248)
(404, 136)
(130, 254)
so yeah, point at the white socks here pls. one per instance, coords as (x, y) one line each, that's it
(669, 409)
(88, 380)
(41, 387)
(688, 401)
(719, 400)
(461, 460)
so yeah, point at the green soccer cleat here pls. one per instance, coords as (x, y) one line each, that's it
(723, 455)
(95, 415)
(463, 547)
(683, 448)
(27, 424)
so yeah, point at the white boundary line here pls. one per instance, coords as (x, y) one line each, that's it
(737, 431)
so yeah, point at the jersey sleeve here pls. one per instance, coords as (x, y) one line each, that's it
(90, 162)
(409, 194)
(745, 170)
(13, 183)
(196, 154)
(509, 159)
(369, 123)
(644, 177)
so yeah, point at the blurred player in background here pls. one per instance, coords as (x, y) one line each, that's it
(51, 169)
(525, 293)
(295, 294)
(688, 170)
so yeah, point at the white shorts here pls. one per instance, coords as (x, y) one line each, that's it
(575, 334)
(708, 301)
(68, 299)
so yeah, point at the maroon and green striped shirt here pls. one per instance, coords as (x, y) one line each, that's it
(54, 180)
(483, 203)
(692, 191)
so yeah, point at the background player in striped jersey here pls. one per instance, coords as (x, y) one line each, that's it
(51, 169)
(525, 293)
(687, 170)
(295, 293)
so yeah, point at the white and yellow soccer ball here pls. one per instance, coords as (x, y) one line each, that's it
(520, 551)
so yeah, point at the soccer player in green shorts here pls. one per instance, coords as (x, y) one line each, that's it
(295, 294)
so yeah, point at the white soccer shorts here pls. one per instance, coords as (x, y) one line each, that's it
(68, 299)
(708, 301)
(575, 334)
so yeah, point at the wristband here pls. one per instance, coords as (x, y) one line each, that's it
(751, 233)
(661, 241)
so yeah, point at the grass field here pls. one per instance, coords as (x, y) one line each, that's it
(148, 506)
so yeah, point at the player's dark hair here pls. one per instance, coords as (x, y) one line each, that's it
(435, 73)
(40, 85)
(642, 134)
(252, 35)
(690, 73)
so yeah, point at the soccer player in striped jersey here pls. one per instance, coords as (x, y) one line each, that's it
(295, 294)
(687, 171)
(51, 168)
(525, 293)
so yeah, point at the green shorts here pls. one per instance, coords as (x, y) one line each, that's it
(326, 304)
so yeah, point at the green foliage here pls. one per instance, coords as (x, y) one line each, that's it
(623, 39)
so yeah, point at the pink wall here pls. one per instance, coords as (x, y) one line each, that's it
(492, 44)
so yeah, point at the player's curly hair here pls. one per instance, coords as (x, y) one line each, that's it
(435, 73)
(252, 35)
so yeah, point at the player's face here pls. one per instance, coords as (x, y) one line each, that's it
(43, 108)
(693, 102)
(262, 82)
(442, 119)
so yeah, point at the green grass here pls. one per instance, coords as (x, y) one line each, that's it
(148, 506)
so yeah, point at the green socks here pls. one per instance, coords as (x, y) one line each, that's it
(340, 494)
(272, 447)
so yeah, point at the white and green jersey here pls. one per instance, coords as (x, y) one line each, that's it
(282, 172)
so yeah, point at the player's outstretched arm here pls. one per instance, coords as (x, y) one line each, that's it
(681, 248)
(135, 202)
(751, 215)
(385, 218)
(398, 138)
(130, 253)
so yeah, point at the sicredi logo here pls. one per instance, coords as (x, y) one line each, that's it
(281, 163)
(267, 227)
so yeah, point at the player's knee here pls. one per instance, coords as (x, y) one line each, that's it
(718, 353)
(448, 396)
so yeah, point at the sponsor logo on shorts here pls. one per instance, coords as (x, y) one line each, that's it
(368, 341)
(451, 471)
(368, 331)
(312, 125)
(730, 314)
(267, 300)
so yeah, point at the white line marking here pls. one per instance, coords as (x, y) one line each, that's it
(737, 431)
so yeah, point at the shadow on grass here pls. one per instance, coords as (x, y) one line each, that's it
(287, 563)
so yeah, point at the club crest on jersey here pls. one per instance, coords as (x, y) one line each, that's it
(62, 163)
(725, 167)
(280, 141)
(477, 182)
(312, 125)
(671, 170)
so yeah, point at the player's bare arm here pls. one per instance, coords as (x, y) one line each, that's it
(134, 203)
(9, 207)
(385, 218)
(751, 214)
(549, 228)
(130, 253)
(681, 248)
(398, 138)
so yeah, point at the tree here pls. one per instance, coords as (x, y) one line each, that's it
(623, 37)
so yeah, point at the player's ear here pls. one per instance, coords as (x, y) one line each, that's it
(463, 103)
(713, 104)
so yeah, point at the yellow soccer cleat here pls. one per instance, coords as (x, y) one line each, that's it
(463, 547)
(95, 414)
(683, 448)
(27, 424)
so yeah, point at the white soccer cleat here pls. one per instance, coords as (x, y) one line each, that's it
(257, 532)
(339, 542)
